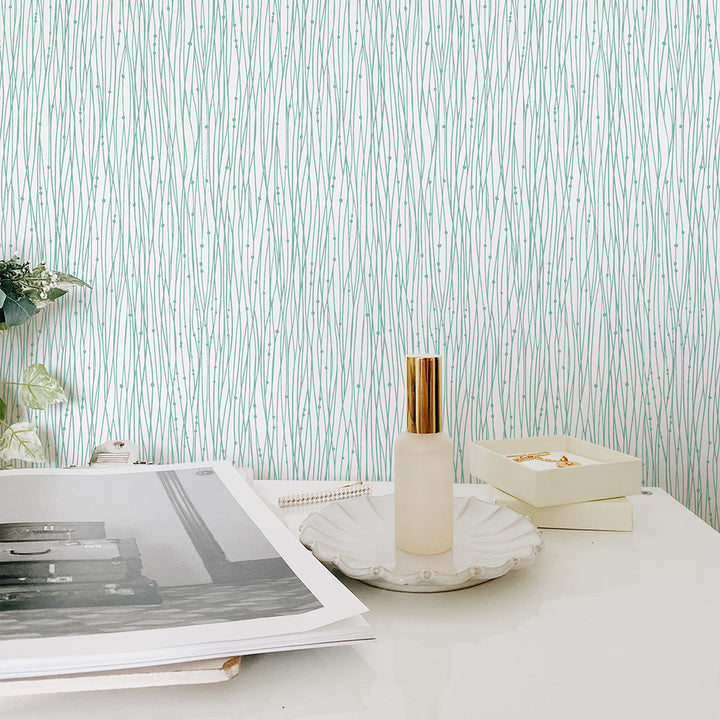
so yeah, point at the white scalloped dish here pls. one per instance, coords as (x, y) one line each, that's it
(357, 536)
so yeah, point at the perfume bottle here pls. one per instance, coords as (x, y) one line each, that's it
(423, 465)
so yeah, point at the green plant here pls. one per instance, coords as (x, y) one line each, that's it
(38, 389)
(24, 291)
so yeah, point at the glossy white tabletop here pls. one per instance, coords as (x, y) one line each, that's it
(603, 625)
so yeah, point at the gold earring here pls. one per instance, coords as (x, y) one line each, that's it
(564, 462)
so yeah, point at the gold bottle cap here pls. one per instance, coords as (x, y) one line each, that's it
(424, 395)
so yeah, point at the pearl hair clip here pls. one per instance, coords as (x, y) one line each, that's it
(342, 493)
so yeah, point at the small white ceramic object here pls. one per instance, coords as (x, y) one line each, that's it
(115, 452)
(357, 536)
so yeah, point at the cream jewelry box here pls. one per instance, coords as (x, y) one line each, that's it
(568, 470)
(612, 514)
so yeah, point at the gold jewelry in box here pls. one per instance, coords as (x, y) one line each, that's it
(561, 462)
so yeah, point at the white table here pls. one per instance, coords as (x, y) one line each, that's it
(603, 625)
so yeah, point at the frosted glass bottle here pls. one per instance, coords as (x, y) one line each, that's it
(423, 465)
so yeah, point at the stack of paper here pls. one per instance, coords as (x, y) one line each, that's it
(231, 579)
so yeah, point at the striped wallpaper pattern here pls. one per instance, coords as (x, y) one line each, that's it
(275, 201)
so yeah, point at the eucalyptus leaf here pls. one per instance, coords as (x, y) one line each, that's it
(21, 442)
(3, 410)
(18, 311)
(3, 295)
(54, 293)
(40, 389)
(66, 279)
(41, 300)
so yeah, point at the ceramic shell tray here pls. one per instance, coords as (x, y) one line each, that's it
(357, 536)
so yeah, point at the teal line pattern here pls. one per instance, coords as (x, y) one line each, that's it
(275, 201)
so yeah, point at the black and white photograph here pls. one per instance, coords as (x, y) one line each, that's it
(103, 552)
(156, 548)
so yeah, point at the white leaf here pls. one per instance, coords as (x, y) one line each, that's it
(21, 442)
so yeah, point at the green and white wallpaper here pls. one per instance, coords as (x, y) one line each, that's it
(275, 201)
